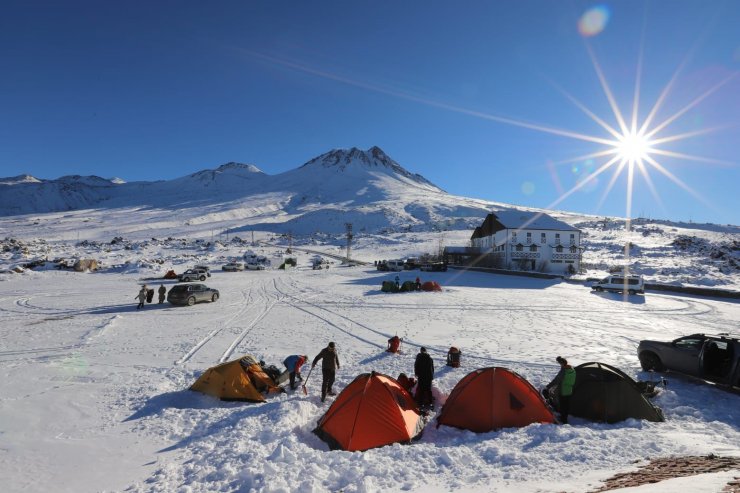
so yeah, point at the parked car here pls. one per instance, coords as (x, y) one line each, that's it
(190, 294)
(233, 266)
(255, 265)
(412, 263)
(193, 275)
(396, 265)
(619, 284)
(710, 357)
(205, 268)
(320, 263)
(434, 267)
(382, 265)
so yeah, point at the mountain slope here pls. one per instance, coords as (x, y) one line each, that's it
(367, 188)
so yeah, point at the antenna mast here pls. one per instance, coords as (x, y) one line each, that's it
(349, 240)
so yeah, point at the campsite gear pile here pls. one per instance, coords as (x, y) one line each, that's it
(407, 286)
(453, 357)
(394, 344)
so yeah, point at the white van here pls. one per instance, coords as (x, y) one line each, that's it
(619, 284)
(396, 265)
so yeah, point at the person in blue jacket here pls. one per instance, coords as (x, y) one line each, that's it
(293, 364)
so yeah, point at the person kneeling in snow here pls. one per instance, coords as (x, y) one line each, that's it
(293, 364)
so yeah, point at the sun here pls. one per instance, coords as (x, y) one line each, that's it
(633, 147)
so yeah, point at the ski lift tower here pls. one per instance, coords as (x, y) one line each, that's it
(349, 240)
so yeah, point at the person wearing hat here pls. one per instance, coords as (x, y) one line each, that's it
(293, 364)
(329, 366)
(424, 371)
(562, 386)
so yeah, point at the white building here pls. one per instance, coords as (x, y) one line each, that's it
(528, 241)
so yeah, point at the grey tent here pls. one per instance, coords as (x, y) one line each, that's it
(606, 394)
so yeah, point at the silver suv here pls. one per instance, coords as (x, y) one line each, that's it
(190, 294)
(710, 357)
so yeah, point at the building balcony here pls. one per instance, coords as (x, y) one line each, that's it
(525, 255)
(565, 256)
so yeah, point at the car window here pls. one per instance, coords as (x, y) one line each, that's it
(688, 343)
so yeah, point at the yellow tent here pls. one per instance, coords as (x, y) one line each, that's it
(240, 380)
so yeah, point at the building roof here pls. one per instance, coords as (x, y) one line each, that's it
(516, 219)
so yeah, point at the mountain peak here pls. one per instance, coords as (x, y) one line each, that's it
(372, 159)
(234, 166)
(14, 180)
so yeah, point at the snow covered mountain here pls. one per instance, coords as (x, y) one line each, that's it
(367, 188)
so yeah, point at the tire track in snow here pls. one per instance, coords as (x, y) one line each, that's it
(227, 354)
(247, 303)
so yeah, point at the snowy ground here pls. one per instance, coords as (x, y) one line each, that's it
(95, 396)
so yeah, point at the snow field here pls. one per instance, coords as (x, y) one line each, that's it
(89, 380)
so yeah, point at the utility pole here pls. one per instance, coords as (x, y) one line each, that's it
(349, 240)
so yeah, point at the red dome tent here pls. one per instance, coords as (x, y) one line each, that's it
(373, 411)
(492, 398)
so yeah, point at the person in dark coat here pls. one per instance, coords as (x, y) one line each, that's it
(329, 367)
(162, 291)
(293, 364)
(424, 371)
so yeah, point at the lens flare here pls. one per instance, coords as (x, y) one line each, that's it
(633, 147)
(593, 21)
(528, 188)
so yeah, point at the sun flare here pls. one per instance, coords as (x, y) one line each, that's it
(633, 147)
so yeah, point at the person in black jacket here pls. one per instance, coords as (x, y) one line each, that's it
(329, 366)
(424, 371)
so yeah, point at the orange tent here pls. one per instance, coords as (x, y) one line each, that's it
(492, 398)
(431, 286)
(373, 411)
(240, 380)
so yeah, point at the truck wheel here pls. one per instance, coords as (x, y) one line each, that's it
(599, 289)
(650, 361)
(191, 301)
(631, 291)
(214, 297)
(202, 278)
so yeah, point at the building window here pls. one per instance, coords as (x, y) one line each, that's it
(519, 247)
(557, 238)
(529, 238)
(573, 249)
(559, 248)
(513, 237)
(533, 248)
(572, 239)
(543, 238)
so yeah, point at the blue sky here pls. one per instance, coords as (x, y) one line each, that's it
(157, 90)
